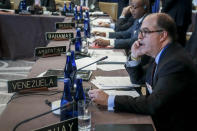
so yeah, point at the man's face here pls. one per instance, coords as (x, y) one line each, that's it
(149, 37)
(137, 9)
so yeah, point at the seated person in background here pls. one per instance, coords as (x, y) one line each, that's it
(171, 83)
(5, 4)
(49, 4)
(124, 39)
(92, 5)
(125, 21)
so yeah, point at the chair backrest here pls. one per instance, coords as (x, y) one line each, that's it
(191, 45)
(60, 3)
(110, 8)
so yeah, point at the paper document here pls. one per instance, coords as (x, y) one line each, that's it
(113, 82)
(110, 67)
(85, 61)
(128, 93)
(104, 52)
(96, 21)
(92, 39)
(101, 29)
(96, 13)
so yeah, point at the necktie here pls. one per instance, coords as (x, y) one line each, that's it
(153, 72)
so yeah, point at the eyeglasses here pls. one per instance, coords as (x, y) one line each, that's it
(143, 32)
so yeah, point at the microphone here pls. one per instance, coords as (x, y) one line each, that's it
(45, 113)
(74, 74)
(101, 59)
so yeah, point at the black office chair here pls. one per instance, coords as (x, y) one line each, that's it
(191, 45)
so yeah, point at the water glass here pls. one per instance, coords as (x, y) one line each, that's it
(84, 116)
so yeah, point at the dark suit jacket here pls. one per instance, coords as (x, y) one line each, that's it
(123, 24)
(90, 2)
(5, 4)
(125, 39)
(49, 4)
(180, 10)
(191, 45)
(172, 101)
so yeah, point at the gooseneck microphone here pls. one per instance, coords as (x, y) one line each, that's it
(74, 74)
(101, 59)
(45, 113)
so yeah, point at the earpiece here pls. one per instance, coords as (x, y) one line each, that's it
(145, 7)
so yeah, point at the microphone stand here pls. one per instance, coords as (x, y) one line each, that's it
(45, 113)
(74, 74)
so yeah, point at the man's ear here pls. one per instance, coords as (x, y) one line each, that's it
(163, 36)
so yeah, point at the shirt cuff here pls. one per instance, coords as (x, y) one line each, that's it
(107, 34)
(132, 63)
(112, 25)
(112, 41)
(122, 16)
(111, 103)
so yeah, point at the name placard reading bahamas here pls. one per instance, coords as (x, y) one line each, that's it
(67, 125)
(49, 51)
(18, 85)
(59, 25)
(59, 36)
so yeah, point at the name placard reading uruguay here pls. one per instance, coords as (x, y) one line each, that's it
(67, 125)
(59, 36)
(22, 84)
(49, 51)
(59, 25)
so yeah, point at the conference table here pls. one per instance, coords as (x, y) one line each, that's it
(24, 106)
(20, 34)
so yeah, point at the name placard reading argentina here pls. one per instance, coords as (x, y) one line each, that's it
(59, 36)
(49, 51)
(67, 125)
(22, 84)
(60, 25)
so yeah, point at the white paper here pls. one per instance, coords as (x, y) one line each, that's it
(115, 59)
(85, 61)
(102, 29)
(96, 13)
(5, 97)
(96, 21)
(54, 105)
(112, 82)
(128, 93)
(104, 52)
(110, 67)
(92, 39)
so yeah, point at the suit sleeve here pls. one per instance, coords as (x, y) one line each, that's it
(120, 35)
(123, 24)
(170, 82)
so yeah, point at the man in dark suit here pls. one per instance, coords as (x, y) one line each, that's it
(171, 84)
(93, 5)
(124, 39)
(49, 4)
(5, 4)
(180, 11)
(124, 22)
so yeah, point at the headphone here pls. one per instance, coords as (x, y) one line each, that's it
(145, 7)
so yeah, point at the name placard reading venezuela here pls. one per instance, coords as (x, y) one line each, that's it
(22, 84)
(49, 51)
(59, 36)
(67, 125)
(60, 25)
